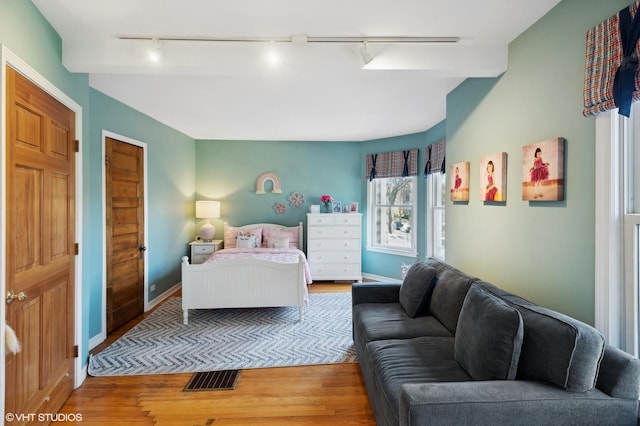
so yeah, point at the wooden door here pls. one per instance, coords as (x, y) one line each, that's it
(41, 248)
(125, 232)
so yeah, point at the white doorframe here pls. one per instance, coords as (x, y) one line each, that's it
(101, 337)
(9, 58)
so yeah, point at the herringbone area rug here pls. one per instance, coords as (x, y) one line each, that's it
(227, 339)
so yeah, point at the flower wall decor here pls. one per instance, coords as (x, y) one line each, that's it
(296, 199)
(279, 208)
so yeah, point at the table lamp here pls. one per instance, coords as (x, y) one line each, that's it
(207, 210)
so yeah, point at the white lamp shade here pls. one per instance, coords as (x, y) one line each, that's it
(207, 209)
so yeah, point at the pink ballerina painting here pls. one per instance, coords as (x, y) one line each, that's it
(543, 171)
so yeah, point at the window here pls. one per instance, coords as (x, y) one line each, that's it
(436, 193)
(631, 230)
(391, 221)
(618, 228)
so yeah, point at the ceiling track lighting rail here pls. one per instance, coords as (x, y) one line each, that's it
(299, 39)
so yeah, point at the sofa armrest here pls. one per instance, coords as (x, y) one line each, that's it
(619, 374)
(375, 293)
(513, 402)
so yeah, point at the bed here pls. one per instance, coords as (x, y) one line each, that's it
(261, 265)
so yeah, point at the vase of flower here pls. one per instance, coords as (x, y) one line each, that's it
(326, 200)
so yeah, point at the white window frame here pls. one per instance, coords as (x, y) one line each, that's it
(371, 232)
(434, 187)
(617, 230)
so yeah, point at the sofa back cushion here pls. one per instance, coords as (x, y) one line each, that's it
(416, 288)
(449, 291)
(489, 337)
(556, 348)
(559, 349)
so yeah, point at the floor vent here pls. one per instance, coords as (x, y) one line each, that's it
(213, 380)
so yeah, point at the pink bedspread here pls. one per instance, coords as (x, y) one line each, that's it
(287, 255)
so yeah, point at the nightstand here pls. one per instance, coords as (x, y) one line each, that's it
(200, 250)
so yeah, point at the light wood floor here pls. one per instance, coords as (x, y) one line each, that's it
(314, 395)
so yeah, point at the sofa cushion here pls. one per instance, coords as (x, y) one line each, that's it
(381, 321)
(556, 348)
(489, 337)
(559, 349)
(393, 363)
(450, 288)
(416, 288)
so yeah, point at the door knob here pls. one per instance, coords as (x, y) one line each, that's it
(11, 296)
(142, 250)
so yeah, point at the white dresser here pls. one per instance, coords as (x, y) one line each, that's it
(334, 246)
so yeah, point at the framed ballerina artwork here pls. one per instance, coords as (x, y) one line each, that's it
(493, 177)
(459, 173)
(543, 170)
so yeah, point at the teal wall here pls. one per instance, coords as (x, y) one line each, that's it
(387, 265)
(171, 161)
(170, 191)
(542, 251)
(227, 171)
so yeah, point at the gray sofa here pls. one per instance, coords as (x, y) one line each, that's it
(447, 348)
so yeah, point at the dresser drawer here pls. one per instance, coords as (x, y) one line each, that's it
(335, 271)
(336, 232)
(199, 258)
(334, 257)
(203, 249)
(322, 244)
(321, 220)
(330, 219)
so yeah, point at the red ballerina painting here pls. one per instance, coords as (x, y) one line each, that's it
(543, 171)
(493, 177)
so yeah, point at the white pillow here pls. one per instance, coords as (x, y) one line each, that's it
(280, 243)
(246, 241)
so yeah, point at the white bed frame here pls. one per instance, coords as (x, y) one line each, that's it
(243, 283)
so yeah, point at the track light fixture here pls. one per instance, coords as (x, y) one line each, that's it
(155, 52)
(300, 38)
(364, 53)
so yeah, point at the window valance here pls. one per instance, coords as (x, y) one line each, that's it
(392, 164)
(611, 76)
(434, 155)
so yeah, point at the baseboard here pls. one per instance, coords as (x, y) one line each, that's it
(81, 376)
(102, 336)
(162, 297)
(380, 278)
(97, 339)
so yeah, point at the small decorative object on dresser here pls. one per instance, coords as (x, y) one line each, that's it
(327, 200)
(334, 246)
(200, 251)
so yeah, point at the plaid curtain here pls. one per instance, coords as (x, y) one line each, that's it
(434, 157)
(605, 58)
(392, 164)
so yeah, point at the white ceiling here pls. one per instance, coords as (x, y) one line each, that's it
(317, 91)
